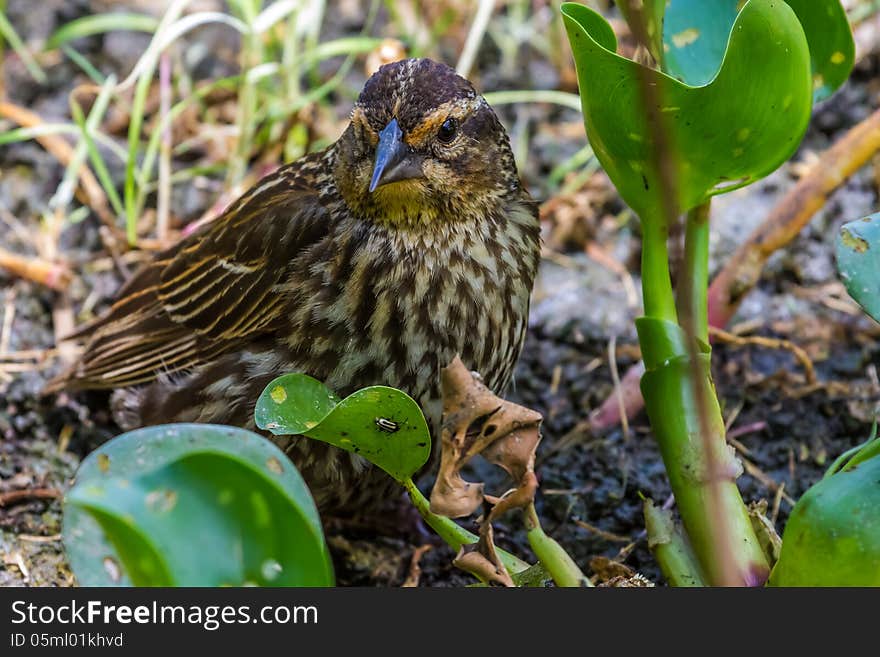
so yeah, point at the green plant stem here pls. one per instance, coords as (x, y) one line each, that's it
(454, 535)
(670, 549)
(656, 282)
(562, 568)
(687, 423)
(694, 282)
(684, 411)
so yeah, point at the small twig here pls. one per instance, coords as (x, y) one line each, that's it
(17, 559)
(790, 215)
(114, 246)
(771, 343)
(63, 324)
(608, 414)
(615, 378)
(608, 536)
(15, 496)
(31, 538)
(44, 272)
(746, 429)
(777, 502)
(8, 316)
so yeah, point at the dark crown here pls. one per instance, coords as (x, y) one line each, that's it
(409, 90)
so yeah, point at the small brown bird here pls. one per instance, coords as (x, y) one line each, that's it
(375, 261)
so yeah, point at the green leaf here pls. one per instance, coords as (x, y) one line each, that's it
(100, 23)
(723, 135)
(695, 35)
(832, 48)
(858, 260)
(832, 537)
(382, 424)
(292, 404)
(193, 505)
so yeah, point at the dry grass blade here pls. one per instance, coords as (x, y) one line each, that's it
(771, 343)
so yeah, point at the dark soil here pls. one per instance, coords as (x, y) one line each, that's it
(563, 372)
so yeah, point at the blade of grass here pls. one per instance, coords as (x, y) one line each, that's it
(252, 55)
(97, 161)
(474, 37)
(272, 14)
(8, 32)
(96, 76)
(572, 101)
(100, 23)
(46, 129)
(143, 74)
(163, 198)
(64, 193)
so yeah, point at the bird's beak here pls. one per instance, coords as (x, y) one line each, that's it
(395, 160)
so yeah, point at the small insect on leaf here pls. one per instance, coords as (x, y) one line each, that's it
(386, 425)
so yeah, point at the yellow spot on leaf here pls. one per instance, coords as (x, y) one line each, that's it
(854, 242)
(838, 58)
(278, 394)
(161, 501)
(103, 462)
(685, 37)
(274, 465)
(743, 134)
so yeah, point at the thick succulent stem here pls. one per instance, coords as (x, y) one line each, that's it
(685, 415)
(656, 282)
(691, 288)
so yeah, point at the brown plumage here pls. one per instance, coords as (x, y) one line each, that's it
(311, 271)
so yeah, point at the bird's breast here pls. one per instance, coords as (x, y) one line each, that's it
(382, 308)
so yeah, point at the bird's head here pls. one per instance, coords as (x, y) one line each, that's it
(423, 146)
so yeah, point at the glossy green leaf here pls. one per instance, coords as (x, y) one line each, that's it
(695, 36)
(193, 505)
(832, 537)
(724, 135)
(381, 424)
(832, 48)
(858, 260)
(292, 404)
(696, 33)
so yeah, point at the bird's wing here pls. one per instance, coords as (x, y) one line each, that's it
(211, 292)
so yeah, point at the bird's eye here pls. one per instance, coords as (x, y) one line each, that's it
(448, 130)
